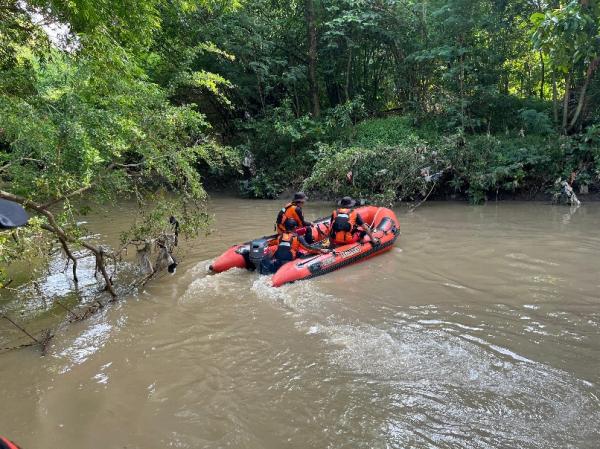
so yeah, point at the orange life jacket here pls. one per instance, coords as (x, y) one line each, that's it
(287, 246)
(4, 443)
(343, 226)
(288, 211)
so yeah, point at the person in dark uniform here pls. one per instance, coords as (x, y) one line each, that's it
(288, 245)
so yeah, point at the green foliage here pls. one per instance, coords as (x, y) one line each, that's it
(152, 222)
(536, 122)
(90, 120)
(483, 166)
(23, 244)
(67, 135)
(286, 146)
(281, 142)
(457, 67)
(388, 161)
(386, 131)
(383, 163)
(569, 35)
(261, 185)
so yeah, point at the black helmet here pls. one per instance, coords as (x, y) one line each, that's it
(299, 196)
(290, 224)
(347, 201)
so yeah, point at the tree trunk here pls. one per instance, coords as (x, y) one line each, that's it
(565, 119)
(588, 76)
(543, 80)
(348, 69)
(528, 83)
(260, 93)
(462, 90)
(554, 98)
(309, 12)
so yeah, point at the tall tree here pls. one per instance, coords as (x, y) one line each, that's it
(570, 36)
(311, 27)
(87, 121)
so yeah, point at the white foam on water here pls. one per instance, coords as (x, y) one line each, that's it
(453, 285)
(201, 267)
(450, 323)
(498, 349)
(312, 330)
(299, 297)
(525, 257)
(462, 381)
(214, 284)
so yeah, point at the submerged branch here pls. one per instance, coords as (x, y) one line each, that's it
(424, 199)
(62, 236)
(22, 329)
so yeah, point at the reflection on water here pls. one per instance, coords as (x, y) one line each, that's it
(482, 332)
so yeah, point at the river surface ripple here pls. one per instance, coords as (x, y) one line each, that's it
(480, 329)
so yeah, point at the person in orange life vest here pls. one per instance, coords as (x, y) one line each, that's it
(5, 443)
(345, 225)
(292, 210)
(288, 245)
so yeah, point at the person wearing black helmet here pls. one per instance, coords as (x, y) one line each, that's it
(292, 210)
(346, 224)
(288, 245)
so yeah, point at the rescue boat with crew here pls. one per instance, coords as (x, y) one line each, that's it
(383, 222)
(249, 254)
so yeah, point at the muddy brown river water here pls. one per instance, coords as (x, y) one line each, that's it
(480, 329)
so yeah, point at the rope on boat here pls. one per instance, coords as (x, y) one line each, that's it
(333, 267)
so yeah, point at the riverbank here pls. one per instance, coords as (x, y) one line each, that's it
(509, 197)
(399, 159)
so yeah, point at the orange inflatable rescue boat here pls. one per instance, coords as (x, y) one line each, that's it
(248, 255)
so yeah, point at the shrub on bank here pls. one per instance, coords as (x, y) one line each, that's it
(383, 173)
(390, 161)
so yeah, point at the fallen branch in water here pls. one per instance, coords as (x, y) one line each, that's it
(20, 328)
(64, 237)
(161, 247)
(77, 317)
(14, 348)
(424, 199)
(46, 341)
(42, 342)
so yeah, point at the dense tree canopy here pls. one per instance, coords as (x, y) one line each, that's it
(387, 99)
(85, 117)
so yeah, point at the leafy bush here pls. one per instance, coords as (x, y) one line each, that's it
(385, 131)
(261, 186)
(380, 173)
(494, 164)
(535, 122)
(494, 112)
(286, 146)
(388, 158)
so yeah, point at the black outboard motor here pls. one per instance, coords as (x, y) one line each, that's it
(258, 250)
